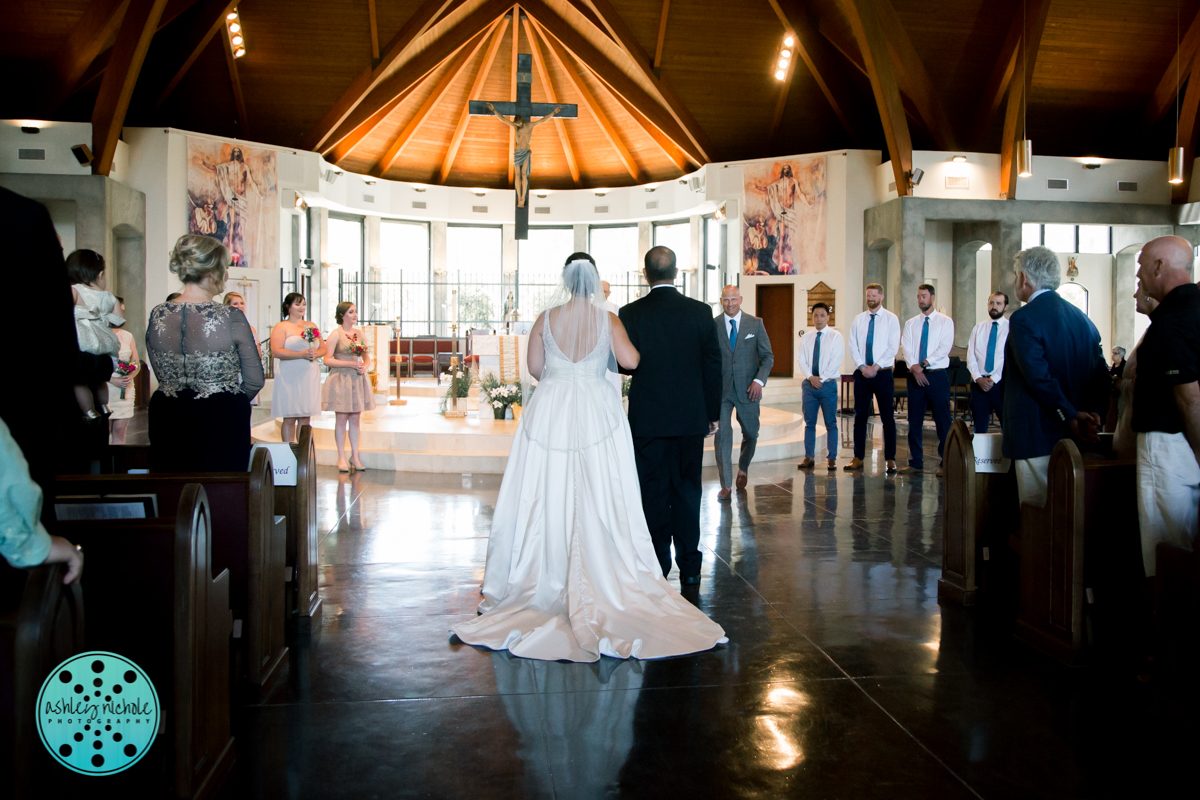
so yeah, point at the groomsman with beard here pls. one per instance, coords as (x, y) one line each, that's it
(926, 343)
(874, 341)
(985, 362)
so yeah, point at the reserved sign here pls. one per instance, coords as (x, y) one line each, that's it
(988, 453)
(282, 459)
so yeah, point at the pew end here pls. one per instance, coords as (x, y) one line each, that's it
(1177, 612)
(299, 505)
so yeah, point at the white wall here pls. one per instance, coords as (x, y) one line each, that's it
(939, 262)
(1095, 274)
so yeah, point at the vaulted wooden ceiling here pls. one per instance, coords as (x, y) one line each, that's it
(380, 86)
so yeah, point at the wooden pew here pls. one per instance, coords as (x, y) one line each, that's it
(981, 511)
(248, 540)
(299, 505)
(153, 597)
(37, 633)
(1177, 616)
(1079, 554)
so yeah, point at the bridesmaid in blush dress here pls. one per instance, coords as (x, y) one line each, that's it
(296, 396)
(347, 390)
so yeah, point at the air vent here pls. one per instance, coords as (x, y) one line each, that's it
(958, 182)
(31, 154)
(892, 187)
(1057, 183)
(479, 209)
(541, 209)
(652, 204)
(1126, 186)
(368, 198)
(601, 209)
(418, 203)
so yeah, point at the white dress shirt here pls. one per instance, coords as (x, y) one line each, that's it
(833, 349)
(977, 349)
(728, 326)
(884, 346)
(941, 339)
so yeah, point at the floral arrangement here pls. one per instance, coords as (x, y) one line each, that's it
(311, 334)
(460, 386)
(499, 395)
(125, 369)
(357, 349)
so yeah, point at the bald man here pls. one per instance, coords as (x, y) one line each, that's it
(746, 361)
(1166, 399)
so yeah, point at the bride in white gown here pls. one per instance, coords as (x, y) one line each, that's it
(571, 571)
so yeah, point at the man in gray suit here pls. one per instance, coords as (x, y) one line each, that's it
(746, 360)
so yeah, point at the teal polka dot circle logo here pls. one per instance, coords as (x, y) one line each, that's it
(97, 713)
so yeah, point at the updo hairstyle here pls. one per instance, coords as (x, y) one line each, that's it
(84, 266)
(340, 313)
(229, 298)
(196, 257)
(290, 299)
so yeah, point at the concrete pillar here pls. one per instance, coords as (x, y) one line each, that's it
(968, 238)
(581, 237)
(911, 254)
(318, 222)
(1004, 256)
(441, 311)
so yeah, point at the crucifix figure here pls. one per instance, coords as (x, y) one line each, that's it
(522, 112)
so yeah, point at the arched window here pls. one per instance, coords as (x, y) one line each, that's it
(1076, 294)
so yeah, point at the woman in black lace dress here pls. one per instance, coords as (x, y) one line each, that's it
(208, 368)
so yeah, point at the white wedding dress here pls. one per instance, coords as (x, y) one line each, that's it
(571, 571)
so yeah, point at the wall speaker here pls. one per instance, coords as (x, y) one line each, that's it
(83, 154)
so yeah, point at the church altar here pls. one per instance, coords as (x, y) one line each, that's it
(506, 356)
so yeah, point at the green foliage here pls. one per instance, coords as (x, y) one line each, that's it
(460, 386)
(625, 383)
(475, 309)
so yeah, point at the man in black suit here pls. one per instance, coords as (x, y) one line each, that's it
(53, 445)
(674, 403)
(1054, 374)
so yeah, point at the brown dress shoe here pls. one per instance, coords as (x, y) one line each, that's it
(854, 465)
(807, 463)
(911, 470)
(832, 464)
(891, 466)
(723, 495)
(741, 480)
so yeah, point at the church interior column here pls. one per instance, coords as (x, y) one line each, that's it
(437, 276)
(645, 242)
(373, 299)
(911, 254)
(1004, 259)
(581, 237)
(969, 237)
(509, 264)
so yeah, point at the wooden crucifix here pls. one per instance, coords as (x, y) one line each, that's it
(522, 112)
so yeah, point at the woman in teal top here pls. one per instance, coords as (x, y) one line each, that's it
(24, 541)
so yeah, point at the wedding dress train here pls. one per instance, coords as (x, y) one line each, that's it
(571, 570)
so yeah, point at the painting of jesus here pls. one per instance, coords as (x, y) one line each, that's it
(783, 227)
(233, 197)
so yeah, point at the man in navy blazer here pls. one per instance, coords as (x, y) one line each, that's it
(1055, 373)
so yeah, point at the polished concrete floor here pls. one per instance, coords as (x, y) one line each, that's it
(843, 677)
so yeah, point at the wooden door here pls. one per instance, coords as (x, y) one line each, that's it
(774, 303)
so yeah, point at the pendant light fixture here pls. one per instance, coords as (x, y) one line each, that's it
(1025, 146)
(1175, 157)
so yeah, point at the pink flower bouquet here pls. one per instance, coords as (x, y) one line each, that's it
(311, 335)
(125, 369)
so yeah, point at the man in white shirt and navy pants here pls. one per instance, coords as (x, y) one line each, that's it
(985, 361)
(874, 341)
(926, 343)
(820, 360)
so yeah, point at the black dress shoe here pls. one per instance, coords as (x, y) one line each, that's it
(693, 580)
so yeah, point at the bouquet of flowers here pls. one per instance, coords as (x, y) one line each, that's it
(125, 369)
(357, 348)
(311, 335)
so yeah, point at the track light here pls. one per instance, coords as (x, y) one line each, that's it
(232, 15)
(780, 75)
(234, 27)
(959, 159)
(788, 41)
(1025, 158)
(1175, 165)
(237, 41)
(915, 176)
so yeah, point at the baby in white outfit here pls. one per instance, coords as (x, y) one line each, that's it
(94, 320)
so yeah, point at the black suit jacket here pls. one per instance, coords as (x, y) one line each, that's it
(676, 388)
(53, 444)
(1053, 368)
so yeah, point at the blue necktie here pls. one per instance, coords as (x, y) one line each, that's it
(870, 358)
(816, 365)
(924, 342)
(989, 363)
(732, 334)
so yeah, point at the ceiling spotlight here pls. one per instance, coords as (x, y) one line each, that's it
(601, 192)
(541, 195)
(916, 175)
(788, 41)
(237, 40)
(301, 203)
(241, 51)
(780, 75)
(785, 53)
(720, 212)
(369, 181)
(959, 159)
(479, 192)
(232, 15)
(234, 27)
(30, 129)
(783, 62)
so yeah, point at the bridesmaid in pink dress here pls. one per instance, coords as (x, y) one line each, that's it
(347, 390)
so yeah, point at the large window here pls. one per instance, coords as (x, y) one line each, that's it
(1067, 238)
(345, 253)
(403, 279)
(713, 261)
(616, 252)
(540, 260)
(1076, 295)
(474, 258)
(678, 237)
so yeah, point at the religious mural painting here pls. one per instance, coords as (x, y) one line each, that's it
(233, 196)
(783, 226)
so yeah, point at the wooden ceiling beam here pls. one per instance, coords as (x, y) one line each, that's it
(108, 115)
(84, 43)
(239, 99)
(872, 43)
(669, 148)
(588, 101)
(1188, 111)
(662, 34)
(624, 37)
(464, 116)
(373, 20)
(1164, 94)
(397, 145)
(371, 77)
(998, 82)
(544, 75)
(913, 78)
(415, 71)
(1018, 92)
(586, 53)
(203, 21)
